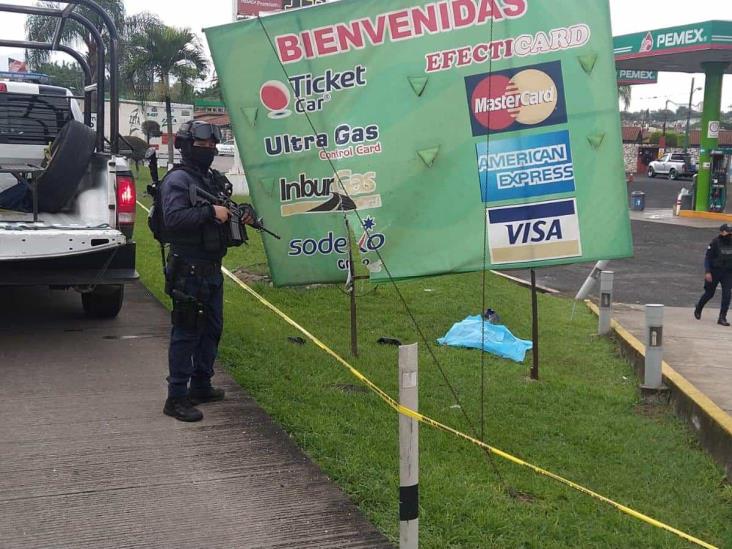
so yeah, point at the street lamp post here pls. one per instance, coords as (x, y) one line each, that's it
(688, 114)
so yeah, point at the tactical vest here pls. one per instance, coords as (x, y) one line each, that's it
(724, 257)
(210, 238)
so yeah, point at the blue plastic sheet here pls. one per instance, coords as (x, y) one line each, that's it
(497, 339)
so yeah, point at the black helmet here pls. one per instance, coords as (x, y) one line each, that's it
(196, 130)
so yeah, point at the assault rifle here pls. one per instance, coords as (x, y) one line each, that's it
(238, 212)
(237, 229)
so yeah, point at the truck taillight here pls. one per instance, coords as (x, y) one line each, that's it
(126, 204)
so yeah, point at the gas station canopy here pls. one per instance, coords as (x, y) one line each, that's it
(676, 49)
(700, 47)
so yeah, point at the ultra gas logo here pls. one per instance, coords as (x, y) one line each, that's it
(344, 135)
(525, 167)
(311, 92)
(344, 191)
(516, 99)
(534, 232)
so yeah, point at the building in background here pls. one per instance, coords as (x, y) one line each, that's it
(214, 112)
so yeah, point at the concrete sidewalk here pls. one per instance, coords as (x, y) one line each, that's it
(700, 350)
(89, 460)
(696, 369)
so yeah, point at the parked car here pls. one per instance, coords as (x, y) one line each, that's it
(674, 165)
(227, 148)
(67, 197)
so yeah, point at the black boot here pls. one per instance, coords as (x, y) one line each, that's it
(200, 395)
(697, 312)
(181, 408)
(722, 321)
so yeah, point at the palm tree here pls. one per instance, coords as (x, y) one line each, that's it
(41, 28)
(157, 52)
(624, 93)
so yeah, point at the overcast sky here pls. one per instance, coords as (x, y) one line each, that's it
(628, 16)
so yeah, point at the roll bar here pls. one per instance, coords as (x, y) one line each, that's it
(63, 15)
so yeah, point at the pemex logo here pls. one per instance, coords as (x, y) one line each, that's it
(516, 99)
(647, 43)
(276, 97)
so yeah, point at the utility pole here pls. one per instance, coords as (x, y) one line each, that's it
(688, 116)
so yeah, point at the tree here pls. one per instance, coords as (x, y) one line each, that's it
(625, 93)
(212, 92)
(41, 28)
(66, 75)
(157, 52)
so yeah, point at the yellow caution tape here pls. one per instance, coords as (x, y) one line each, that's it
(442, 427)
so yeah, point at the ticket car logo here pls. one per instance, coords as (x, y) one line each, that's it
(533, 232)
(516, 99)
(525, 167)
(311, 91)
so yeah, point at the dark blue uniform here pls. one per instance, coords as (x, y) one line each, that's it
(193, 273)
(718, 262)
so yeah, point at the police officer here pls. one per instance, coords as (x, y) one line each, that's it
(197, 233)
(718, 270)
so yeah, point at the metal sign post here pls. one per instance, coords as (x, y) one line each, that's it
(408, 449)
(534, 328)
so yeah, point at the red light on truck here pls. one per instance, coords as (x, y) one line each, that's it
(126, 204)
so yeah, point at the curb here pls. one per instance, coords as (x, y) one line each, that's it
(526, 283)
(713, 216)
(711, 424)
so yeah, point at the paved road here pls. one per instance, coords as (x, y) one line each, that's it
(668, 265)
(88, 460)
(660, 191)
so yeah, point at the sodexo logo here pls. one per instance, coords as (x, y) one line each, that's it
(276, 97)
(515, 99)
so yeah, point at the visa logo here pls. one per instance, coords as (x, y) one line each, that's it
(534, 233)
(538, 231)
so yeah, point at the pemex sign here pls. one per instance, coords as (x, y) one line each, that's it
(454, 135)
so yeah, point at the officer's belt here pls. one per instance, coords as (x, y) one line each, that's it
(198, 267)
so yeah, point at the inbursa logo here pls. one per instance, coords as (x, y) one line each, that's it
(515, 99)
(276, 97)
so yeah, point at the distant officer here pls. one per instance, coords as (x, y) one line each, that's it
(198, 237)
(718, 270)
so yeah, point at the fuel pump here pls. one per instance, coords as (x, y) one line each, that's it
(720, 166)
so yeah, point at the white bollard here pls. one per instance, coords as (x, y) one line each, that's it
(606, 302)
(592, 278)
(652, 377)
(408, 450)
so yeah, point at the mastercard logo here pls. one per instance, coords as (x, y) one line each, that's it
(516, 99)
(275, 96)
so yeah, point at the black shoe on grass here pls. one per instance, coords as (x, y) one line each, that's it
(209, 394)
(182, 409)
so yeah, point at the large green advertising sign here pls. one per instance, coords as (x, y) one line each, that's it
(455, 135)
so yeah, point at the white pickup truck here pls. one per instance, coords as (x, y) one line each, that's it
(77, 230)
(674, 165)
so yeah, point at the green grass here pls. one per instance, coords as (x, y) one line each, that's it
(582, 420)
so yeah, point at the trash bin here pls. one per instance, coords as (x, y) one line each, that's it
(638, 201)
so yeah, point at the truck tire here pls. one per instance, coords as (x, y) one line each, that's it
(104, 301)
(71, 153)
(651, 172)
(673, 175)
